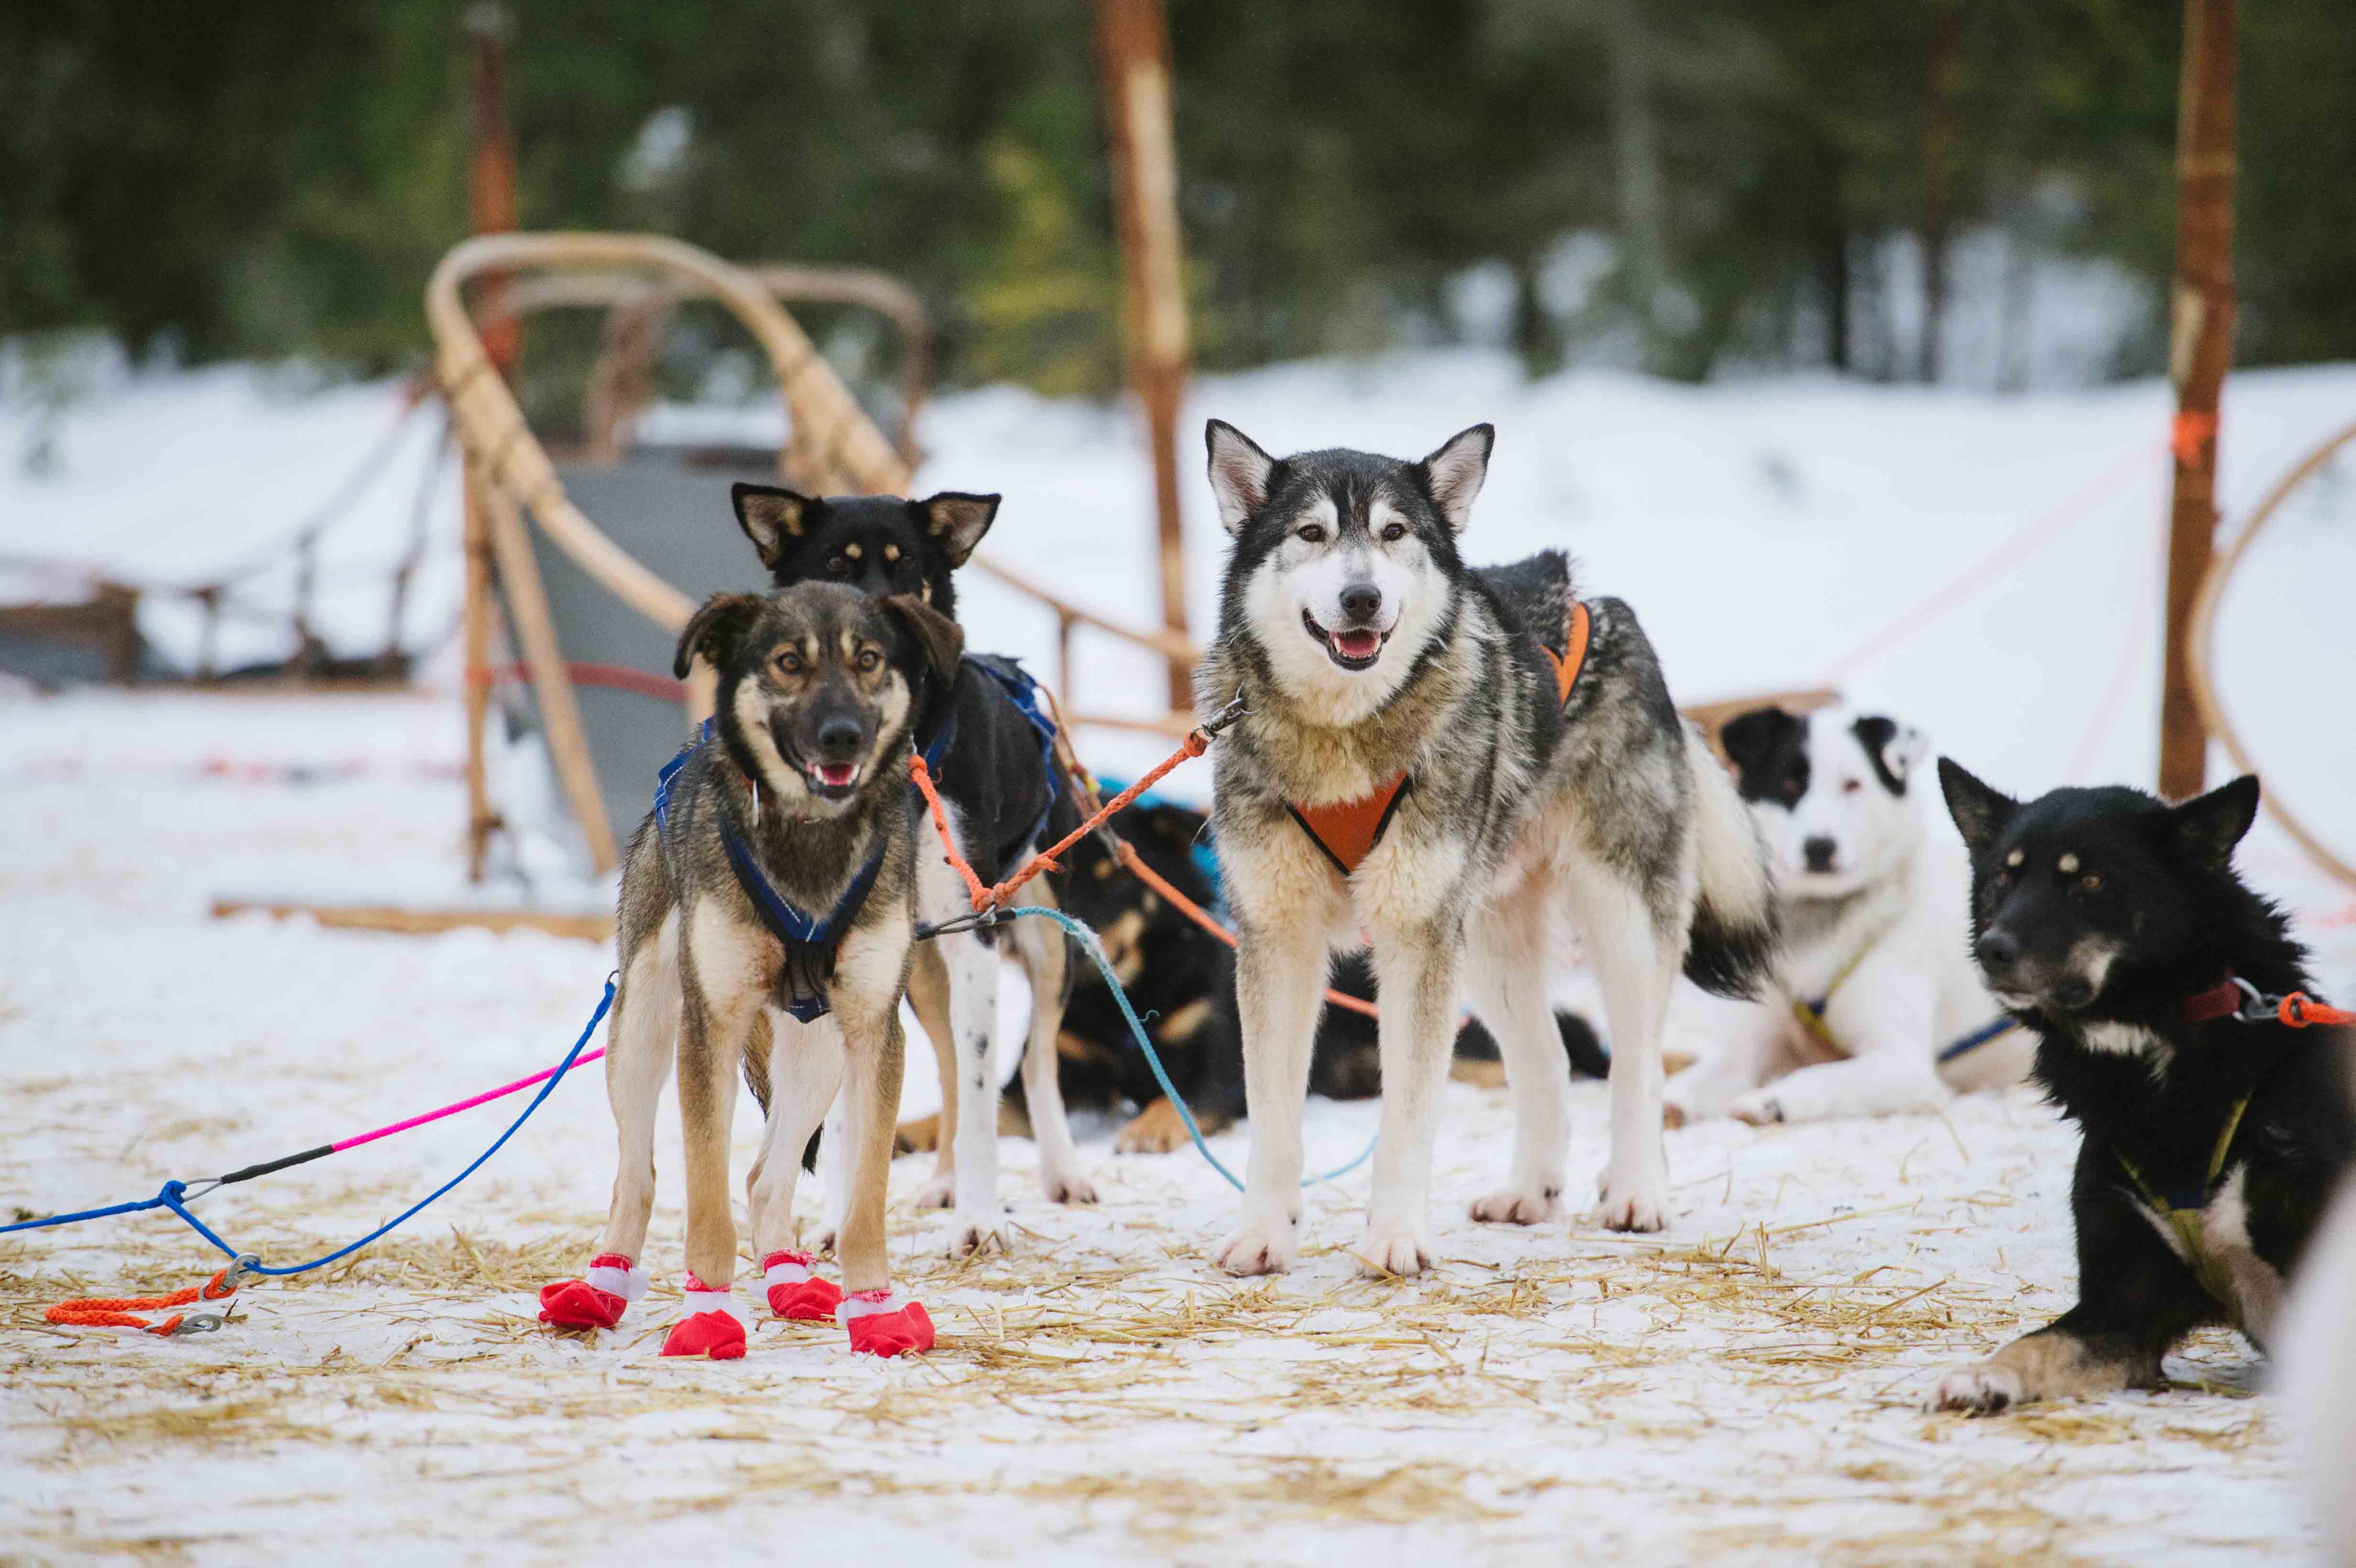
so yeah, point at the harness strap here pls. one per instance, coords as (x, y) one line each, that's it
(1024, 692)
(810, 942)
(1346, 831)
(2185, 1219)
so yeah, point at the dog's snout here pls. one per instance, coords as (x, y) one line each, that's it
(840, 739)
(1362, 601)
(1819, 852)
(1998, 950)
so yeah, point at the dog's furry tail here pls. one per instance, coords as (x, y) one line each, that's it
(1735, 925)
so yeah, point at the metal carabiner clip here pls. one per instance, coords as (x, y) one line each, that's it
(199, 1323)
(234, 1275)
(2257, 1008)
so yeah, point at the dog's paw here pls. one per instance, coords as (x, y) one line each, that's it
(977, 1233)
(938, 1191)
(1627, 1203)
(1066, 1186)
(1253, 1249)
(1157, 1129)
(1981, 1389)
(1757, 1109)
(1519, 1205)
(1395, 1254)
(822, 1241)
(918, 1134)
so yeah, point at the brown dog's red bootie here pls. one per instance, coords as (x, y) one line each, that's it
(708, 1325)
(795, 1291)
(886, 1323)
(597, 1301)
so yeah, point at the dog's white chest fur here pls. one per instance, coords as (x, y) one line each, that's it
(2257, 1287)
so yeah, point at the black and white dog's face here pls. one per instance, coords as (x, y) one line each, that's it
(1346, 563)
(2080, 886)
(816, 686)
(1828, 790)
(880, 544)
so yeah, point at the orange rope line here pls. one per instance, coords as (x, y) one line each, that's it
(115, 1311)
(988, 897)
(2299, 1010)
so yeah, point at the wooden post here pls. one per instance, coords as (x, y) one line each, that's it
(2200, 349)
(481, 820)
(492, 177)
(491, 208)
(1133, 43)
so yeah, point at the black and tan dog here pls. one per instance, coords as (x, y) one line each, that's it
(989, 739)
(2114, 927)
(775, 879)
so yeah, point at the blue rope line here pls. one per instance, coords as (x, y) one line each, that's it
(1095, 950)
(171, 1194)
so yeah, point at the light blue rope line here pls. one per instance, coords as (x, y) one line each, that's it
(1095, 950)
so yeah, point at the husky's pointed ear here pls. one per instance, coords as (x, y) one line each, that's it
(942, 639)
(1979, 810)
(1749, 739)
(716, 630)
(771, 518)
(956, 522)
(2208, 827)
(1240, 473)
(1894, 750)
(1454, 473)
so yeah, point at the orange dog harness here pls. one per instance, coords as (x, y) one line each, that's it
(1348, 830)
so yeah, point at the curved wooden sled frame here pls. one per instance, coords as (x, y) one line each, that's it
(2201, 651)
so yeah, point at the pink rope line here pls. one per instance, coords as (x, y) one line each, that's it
(483, 1098)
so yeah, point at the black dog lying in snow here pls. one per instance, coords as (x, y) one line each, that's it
(2114, 926)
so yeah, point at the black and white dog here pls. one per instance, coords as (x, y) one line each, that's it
(1461, 765)
(2113, 926)
(990, 756)
(1878, 1006)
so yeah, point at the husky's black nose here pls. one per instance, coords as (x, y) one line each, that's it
(839, 739)
(1999, 950)
(1819, 853)
(1361, 601)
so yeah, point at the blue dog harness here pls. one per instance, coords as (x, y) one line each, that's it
(810, 942)
(1024, 692)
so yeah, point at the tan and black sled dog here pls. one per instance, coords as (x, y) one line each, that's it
(775, 874)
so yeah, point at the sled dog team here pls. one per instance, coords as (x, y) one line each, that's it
(1461, 769)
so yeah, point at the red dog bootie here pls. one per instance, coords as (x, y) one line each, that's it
(886, 1323)
(596, 1302)
(795, 1291)
(709, 1325)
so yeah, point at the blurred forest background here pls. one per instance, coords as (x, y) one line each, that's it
(1693, 190)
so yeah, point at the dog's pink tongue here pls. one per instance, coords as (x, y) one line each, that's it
(834, 775)
(1357, 645)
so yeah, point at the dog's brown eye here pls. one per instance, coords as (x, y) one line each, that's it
(790, 662)
(1311, 533)
(2090, 883)
(1395, 532)
(838, 566)
(868, 659)
(1850, 786)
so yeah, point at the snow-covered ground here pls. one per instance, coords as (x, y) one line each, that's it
(1743, 1386)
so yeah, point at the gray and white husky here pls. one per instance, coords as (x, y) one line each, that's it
(1409, 767)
